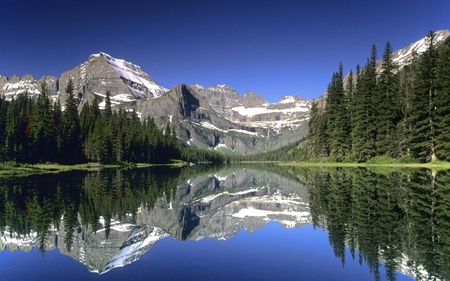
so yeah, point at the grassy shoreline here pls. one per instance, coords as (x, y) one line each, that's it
(13, 169)
(437, 165)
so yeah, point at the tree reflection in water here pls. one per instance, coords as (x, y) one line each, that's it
(397, 218)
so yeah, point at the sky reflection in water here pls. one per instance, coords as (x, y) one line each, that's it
(271, 253)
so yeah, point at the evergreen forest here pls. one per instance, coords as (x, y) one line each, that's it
(385, 110)
(39, 131)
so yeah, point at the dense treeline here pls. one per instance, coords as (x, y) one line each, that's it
(197, 155)
(39, 131)
(399, 111)
(383, 218)
(289, 152)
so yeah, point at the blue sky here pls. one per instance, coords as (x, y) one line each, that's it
(273, 48)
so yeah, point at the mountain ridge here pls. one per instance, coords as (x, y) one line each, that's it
(215, 117)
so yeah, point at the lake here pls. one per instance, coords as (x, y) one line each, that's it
(226, 223)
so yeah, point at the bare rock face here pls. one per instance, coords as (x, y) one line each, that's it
(221, 98)
(3, 81)
(275, 121)
(198, 123)
(252, 100)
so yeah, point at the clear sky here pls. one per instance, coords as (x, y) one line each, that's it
(273, 48)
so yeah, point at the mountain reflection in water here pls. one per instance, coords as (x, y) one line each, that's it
(112, 218)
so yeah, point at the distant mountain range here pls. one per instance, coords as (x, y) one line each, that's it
(216, 117)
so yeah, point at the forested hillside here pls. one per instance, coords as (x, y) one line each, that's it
(39, 131)
(400, 111)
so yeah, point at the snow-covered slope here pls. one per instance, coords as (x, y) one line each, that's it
(253, 110)
(405, 55)
(15, 85)
(136, 78)
(290, 112)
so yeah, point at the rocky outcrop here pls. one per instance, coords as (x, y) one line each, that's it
(28, 84)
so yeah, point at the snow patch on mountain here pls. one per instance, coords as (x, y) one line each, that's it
(405, 56)
(252, 111)
(288, 99)
(8, 239)
(135, 74)
(20, 87)
(297, 213)
(210, 126)
(219, 146)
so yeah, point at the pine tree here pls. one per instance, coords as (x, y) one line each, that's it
(364, 117)
(12, 132)
(43, 128)
(442, 124)
(71, 148)
(312, 141)
(338, 117)
(371, 90)
(407, 82)
(349, 92)
(107, 113)
(3, 121)
(89, 116)
(421, 117)
(388, 113)
(59, 130)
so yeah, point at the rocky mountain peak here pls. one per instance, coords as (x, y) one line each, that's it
(252, 99)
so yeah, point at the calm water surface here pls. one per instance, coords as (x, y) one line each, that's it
(229, 223)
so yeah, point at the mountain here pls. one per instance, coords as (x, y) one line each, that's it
(215, 117)
(253, 110)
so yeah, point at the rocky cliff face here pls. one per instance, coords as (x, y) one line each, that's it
(198, 124)
(253, 110)
(27, 84)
